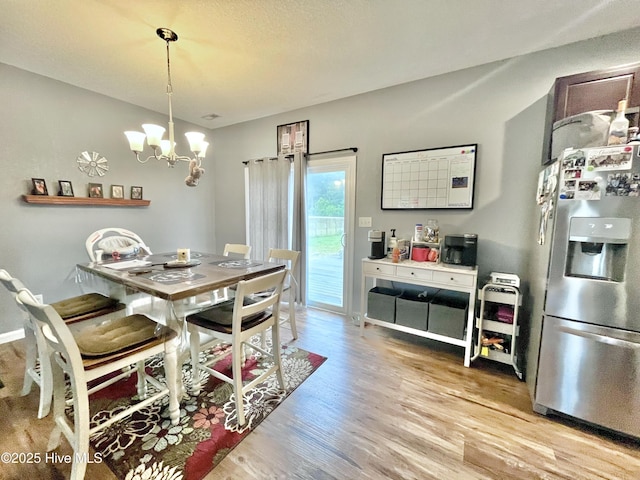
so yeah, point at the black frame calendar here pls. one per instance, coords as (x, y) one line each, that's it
(431, 178)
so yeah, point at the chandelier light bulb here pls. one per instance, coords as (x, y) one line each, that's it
(203, 150)
(136, 141)
(195, 141)
(165, 146)
(154, 134)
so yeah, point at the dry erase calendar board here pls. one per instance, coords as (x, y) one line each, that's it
(430, 178)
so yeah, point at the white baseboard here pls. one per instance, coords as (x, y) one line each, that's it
(11, 336)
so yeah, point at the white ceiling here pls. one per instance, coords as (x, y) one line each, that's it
(246, 59)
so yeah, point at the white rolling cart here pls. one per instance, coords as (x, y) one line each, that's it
(502, 289)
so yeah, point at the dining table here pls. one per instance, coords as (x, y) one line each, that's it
(163, 276)
(168, 290)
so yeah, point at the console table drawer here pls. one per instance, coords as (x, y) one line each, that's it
(378, 269)
(454, 278)
(414, 273)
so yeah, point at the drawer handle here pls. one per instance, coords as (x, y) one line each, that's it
(452, 279)
(412, 273)
(378, 268)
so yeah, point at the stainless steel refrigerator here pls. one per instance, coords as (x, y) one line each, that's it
(584, 347)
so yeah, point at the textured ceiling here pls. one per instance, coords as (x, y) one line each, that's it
(246, 59)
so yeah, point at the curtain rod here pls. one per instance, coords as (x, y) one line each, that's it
(353, 149)
(246, 162)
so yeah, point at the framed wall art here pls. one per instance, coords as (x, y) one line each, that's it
(95, 190)
(438, 178)
(117, 191)
(39, 186)
(136, 193)
(66, 189)
(293, 137)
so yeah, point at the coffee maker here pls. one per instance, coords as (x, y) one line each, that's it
(376, 237)
(460, 250)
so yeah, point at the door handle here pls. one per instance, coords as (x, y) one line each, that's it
(342, 238)
(618, 342)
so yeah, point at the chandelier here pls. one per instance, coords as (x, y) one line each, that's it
(165, 149)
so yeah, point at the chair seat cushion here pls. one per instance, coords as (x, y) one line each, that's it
(220, 317)
(83, 304)
(116, 335)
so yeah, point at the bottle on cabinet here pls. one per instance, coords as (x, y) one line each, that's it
(393, 243)
(619, 126)
(418, 234)
(395, 256)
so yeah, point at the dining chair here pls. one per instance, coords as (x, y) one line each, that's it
(290, 257)
(235, 322)
(117, 239)
(126, 243)
(85, 307)
(234, 250)
(97, 356)
(238, 249)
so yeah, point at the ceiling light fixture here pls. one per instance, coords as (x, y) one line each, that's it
(165, 149)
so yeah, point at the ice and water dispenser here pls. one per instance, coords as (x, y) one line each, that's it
(598, 248)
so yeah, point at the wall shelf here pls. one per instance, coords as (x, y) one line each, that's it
(101, 202)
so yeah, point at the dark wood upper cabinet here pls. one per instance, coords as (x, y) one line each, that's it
(597, 90)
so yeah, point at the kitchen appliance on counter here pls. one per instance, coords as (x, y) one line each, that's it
(460, 250)
(376, 237)
(584, 347)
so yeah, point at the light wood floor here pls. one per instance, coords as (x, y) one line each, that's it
(388, 405)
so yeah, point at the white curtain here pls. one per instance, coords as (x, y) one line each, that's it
(275, 208)
(298, 227)
(268, 208)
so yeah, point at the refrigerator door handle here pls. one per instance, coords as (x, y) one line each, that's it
(600, 338)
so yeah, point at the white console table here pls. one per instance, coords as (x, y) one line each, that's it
(427, 274)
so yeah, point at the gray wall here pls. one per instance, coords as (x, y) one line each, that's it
(501, 106)
(44, 126)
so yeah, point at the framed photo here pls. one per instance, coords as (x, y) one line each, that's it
(95, 190)
(136, 193)
(66, 190)
(439, 178)
(39, 186)
(293, 137)
(117, 191)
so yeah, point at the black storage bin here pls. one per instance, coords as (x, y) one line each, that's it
(382, 303)
(448, 313)
(412, 308)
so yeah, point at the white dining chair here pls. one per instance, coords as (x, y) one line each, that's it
(290, 257)
(235, 322)
(239, 249)
(111, 239)
(94, 357)
(291, 285)
(126, 243)
(73, 310)
(232, 250)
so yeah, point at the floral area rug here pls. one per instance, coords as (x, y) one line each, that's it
(146, 446)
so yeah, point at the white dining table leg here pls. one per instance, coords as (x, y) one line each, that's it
(173, 381)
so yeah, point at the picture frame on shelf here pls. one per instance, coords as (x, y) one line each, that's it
(136, 193)
(66, 189)
(117, 191)
(293, 137)
(39, 186)
(95, 190)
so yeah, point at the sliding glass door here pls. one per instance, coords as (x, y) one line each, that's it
(330, 207)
